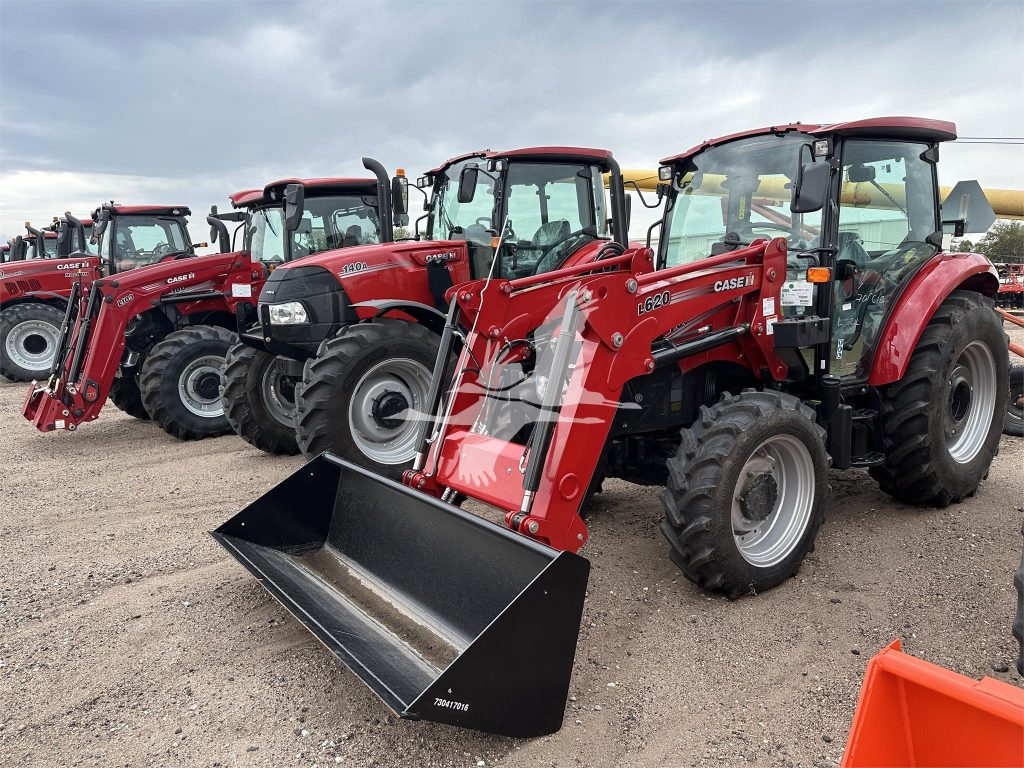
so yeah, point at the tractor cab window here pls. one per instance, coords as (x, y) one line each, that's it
(334, 222)
(49, 247)
(733, 194)
(887, 210)
(354, 221)
(265, 236)
(552, 210)
(470, 221)
(137, 241)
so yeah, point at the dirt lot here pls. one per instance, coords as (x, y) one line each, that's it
(128, 637)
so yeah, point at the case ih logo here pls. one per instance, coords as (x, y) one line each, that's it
(734, 282)
(71, 265)
(440, 258)
(190, 275)
(126, 299)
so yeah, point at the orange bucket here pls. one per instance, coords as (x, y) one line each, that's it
(913, 713)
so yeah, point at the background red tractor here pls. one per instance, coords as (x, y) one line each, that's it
(154, 338)
(769, 337)
(294, 219)
(365, 322)
(36, 285)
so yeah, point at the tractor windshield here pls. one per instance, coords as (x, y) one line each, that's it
(734, 194)
(137, 240)
(265, 236)
(551, 209)
(337, 221)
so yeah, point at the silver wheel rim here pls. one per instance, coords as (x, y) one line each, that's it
(198, 387)
(31, 345)
(770, 536)
(278, 392)
(388, 437)
(970, 402)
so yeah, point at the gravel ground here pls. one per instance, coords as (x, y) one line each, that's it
(128, 637)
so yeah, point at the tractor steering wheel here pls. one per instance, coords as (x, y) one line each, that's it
(548, 256)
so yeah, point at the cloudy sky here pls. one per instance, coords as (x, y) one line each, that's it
(182, 102)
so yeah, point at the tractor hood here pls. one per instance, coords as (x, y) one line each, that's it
(43, 267)
(359, 258)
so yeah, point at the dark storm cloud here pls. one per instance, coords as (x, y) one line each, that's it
(201, 94)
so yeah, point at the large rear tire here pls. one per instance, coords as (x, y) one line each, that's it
(745, 493)
(1013, 421)
(28, 340)
(180, 382)
(259, 399)
(941, 421)
(125, 394)
(358, 393)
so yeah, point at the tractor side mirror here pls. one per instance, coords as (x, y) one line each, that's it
(101, 225)
(860, 173)
(467, 184)
(400, 200)
(399, 195)
(967, 209)
(294, 197)
(811, 185)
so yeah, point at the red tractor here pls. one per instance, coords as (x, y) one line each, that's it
(153, 339)
(799, 313)
(34, 288)
(364, 324)
(312, 220)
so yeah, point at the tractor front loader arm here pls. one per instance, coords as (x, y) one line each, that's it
(543, 367)
(92, 346)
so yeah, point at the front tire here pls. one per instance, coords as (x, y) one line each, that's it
(259, 400)
(28, 340)
(1013, 420)
(180, 382)
(358, 394)
(125, 394)
(941, 421)
(745, 493)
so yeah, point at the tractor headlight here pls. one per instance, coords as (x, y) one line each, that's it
(288, 313)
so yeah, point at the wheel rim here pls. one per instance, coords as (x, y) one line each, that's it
(970, 402)
(31, 343)
(382, 407)
(199, 387)
(773, 501)
(278, 391)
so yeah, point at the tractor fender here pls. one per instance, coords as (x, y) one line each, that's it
(424, 314)
(916, 303)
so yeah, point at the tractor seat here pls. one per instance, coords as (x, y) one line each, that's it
(353, 236)
(849, 247)
(550, 233)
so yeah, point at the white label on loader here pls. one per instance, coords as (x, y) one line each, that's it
(241, 290)
(769, 324)
(768, 306)
(59, 423)
(797, 293)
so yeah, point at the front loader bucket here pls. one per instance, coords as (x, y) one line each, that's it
(445, 616)
(912, 713)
